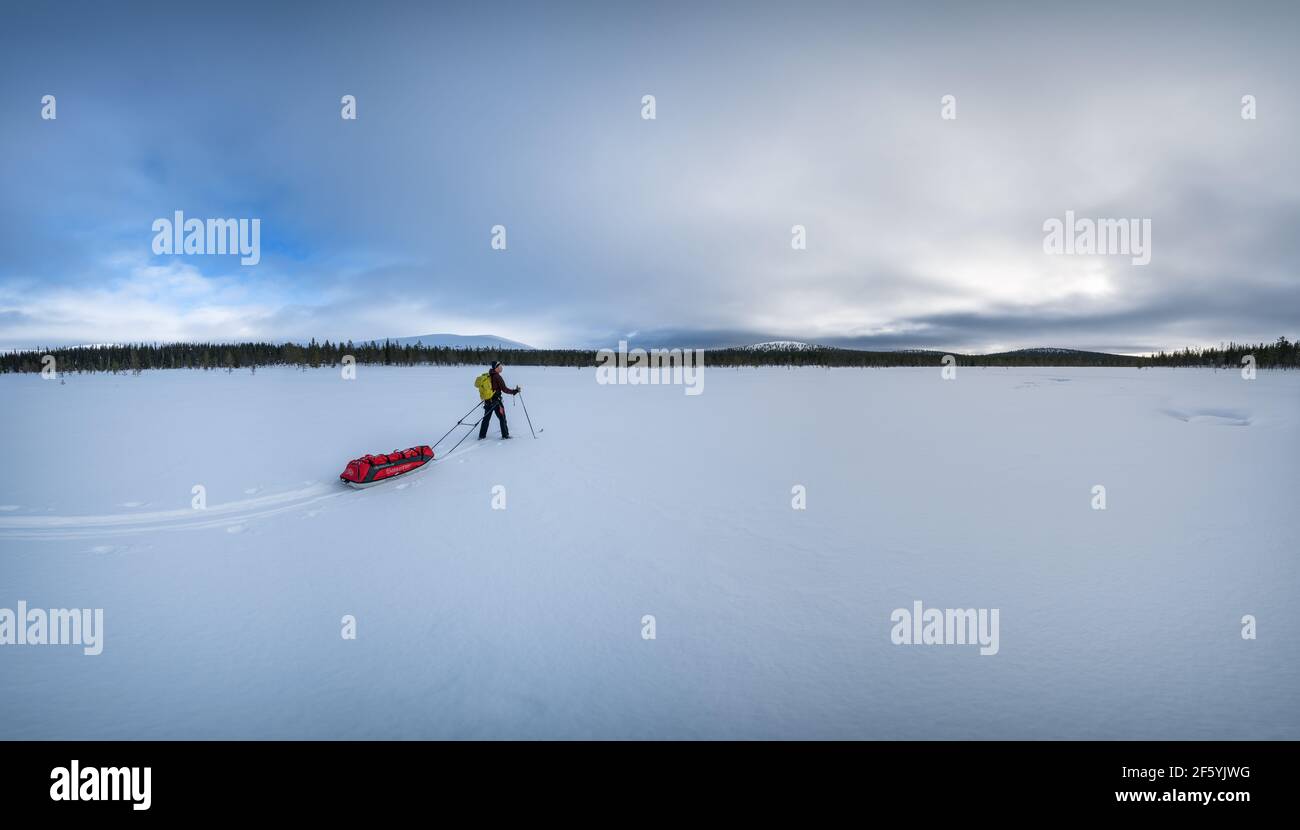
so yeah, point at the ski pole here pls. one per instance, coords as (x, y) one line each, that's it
(520, 396)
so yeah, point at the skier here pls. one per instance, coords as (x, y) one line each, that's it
(493, 403)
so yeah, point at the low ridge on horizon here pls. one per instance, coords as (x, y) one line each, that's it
(458, 341)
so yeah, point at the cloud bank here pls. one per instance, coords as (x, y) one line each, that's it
(922, 232)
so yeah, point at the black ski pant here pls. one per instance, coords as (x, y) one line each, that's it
(491, 405)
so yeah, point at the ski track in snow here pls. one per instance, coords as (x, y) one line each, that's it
(230, 515)
(233, 516)
(1217, 417)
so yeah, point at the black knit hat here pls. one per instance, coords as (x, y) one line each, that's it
(495, 364)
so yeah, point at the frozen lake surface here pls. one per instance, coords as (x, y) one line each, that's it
(770, 622)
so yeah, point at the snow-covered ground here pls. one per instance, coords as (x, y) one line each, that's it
(640, 500)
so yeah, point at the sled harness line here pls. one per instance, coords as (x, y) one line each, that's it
(459, 423)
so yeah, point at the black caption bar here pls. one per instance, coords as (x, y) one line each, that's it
(142, 780)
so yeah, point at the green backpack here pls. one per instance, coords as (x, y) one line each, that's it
(483, 383)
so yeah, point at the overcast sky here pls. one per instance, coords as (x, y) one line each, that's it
(921, 232)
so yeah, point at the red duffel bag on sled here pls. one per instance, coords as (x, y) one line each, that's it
(376, 469)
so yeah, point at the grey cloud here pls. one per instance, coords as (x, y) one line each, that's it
(528, 117)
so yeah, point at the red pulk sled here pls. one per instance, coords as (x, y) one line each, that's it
(369, 470)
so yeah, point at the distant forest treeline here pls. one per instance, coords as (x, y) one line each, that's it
(1282, 354)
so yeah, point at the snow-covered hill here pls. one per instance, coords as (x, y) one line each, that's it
(781, 345)
(1048, 350)
(460, 341)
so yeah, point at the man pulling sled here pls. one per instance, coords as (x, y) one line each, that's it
(490, 388)
(374, 469)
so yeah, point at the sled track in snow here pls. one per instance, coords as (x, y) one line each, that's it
(227, 515)
(122, 524)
